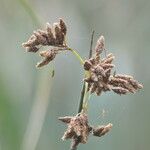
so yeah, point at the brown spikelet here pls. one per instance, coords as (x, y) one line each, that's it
(102, 130)
(87, 65)
(32, 49)
(108, 59)
(120, 90)
(122, 76)
(98, 91)
(50, 35)
(59, 36)
(66, 119)
(93, 88)
(48, 55)
(40, 38)
(100, 45)
(32, 42)
(63, 26)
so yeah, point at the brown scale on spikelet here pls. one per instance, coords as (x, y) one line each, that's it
(53, 36)
(79, 129)
(100, 78)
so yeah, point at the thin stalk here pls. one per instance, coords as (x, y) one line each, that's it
(85, 98)
(84, 92)
(81, 98)
(77, 55)
(91, 45)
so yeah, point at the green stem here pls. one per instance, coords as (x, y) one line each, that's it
(85, 98)
(77, 55)
(85, 94)
(81, 98)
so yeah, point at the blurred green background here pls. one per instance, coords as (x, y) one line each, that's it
(27, 94)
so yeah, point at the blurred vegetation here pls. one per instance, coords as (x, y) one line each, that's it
(125, 25)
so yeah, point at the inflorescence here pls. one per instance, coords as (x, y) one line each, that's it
(79, 129)
(53, 36)
(99, 77)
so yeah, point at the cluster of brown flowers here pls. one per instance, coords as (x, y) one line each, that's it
(100, 78)
(53, 36)
(79, 129)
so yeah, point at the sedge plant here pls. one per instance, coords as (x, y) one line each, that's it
(98, 77)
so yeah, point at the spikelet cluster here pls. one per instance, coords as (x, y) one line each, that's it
(79, 129)
(122, 84)
(53, 36)
(100, 70)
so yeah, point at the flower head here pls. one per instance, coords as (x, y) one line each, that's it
(101, 78)
(53, 36)
(79, 129)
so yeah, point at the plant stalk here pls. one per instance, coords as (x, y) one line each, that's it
(84, 97)
(77, 55)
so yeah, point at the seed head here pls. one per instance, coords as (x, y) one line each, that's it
(79, 129)
(101, 80)
(52, 36)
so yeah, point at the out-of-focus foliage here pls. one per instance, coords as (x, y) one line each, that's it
(125, 25)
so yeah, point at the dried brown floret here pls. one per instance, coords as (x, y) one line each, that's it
(107, 66)
(120, 90)
(42, 40)
(117, 81)
(32, 42)
(122, 76)
(87, 65)
(135, 84)
(98, 70)
(65, 119)
(59, 35)
(63, 26)
(50, 35)
(48, 55)
(32, 49)
(93, 88)
(100, 45)
(102, 130)
(98, 91)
